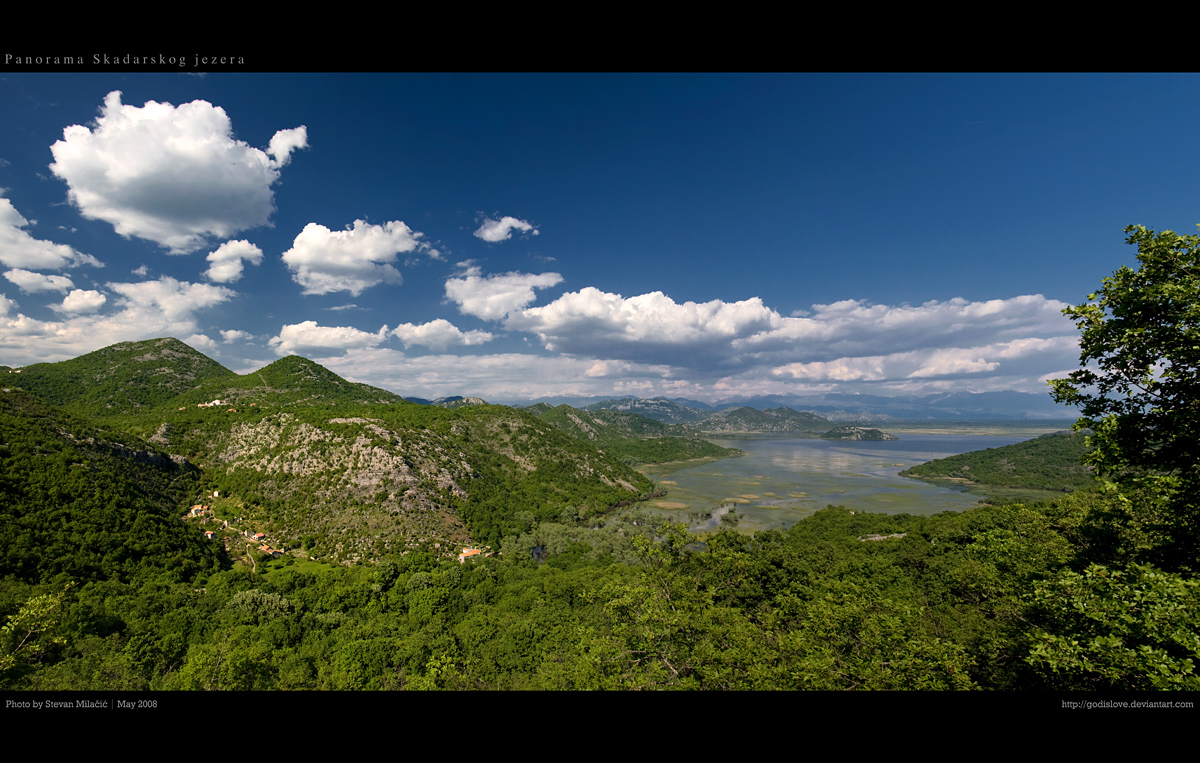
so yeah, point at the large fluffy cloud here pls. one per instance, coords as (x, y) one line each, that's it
(171, 175)
(81, 301)
(647, 328)
(308, 335)
(354, 259)
(494, 231)
(225, 264)
(174, 301)
(494, 297)
(18, 249)
(651, 345)
(438, 335)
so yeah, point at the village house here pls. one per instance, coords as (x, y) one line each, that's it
(467, 553)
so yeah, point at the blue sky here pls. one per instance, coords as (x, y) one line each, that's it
(512, 236)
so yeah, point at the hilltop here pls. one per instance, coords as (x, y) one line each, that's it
(125, 378)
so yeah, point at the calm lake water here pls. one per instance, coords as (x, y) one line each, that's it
(782, 480)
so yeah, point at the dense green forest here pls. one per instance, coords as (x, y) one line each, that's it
(103, 584)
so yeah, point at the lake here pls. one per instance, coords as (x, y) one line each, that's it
(781, 480)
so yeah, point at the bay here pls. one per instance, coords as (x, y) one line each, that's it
(781, 480)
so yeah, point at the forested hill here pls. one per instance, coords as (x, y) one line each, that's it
(103, 589)
(1049, 462)
(89, 503)
(125, 378)
(769, 420)
(289, 381)
(633, 438)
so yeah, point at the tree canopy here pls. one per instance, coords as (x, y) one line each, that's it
(1139, 384)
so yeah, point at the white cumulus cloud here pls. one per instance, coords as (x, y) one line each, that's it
(498, 377)
(308, 335)
(18, 249)
(30, 282)
(81, 301)
(171, 175)
(324, 261)
(494, 231)
(438, 335)
(494, 297)
(232, 335)
(647, 328)
(226, 262)
(201, 342)
(173, 300)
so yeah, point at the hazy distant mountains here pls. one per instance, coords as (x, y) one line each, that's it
(839, 407)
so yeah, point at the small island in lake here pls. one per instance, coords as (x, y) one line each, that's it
(857, 433)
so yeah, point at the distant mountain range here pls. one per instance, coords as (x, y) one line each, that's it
(841, 407)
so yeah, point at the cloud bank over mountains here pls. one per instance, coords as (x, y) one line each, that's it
(650, 344)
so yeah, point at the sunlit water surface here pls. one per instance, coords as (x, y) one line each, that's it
(782, 480)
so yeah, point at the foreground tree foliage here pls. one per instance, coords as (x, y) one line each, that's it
(1127, 620)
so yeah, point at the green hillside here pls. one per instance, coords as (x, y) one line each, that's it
(104, 587)
(124, 378)
(289, 381)
(1049, 462)
(630, 437)
(89, 503)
